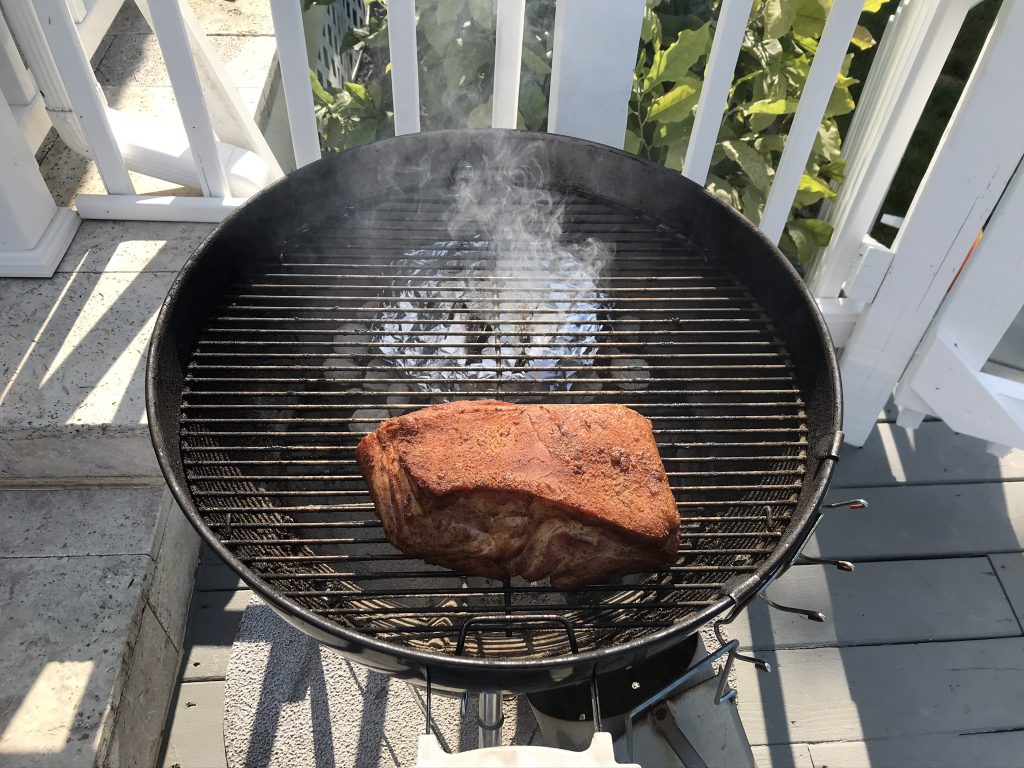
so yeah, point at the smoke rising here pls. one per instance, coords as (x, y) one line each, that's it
(511, 295)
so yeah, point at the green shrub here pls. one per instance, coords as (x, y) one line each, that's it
(456, 59)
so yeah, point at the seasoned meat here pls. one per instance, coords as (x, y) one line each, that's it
(576, 493)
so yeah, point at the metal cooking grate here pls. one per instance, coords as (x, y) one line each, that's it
(290, 374)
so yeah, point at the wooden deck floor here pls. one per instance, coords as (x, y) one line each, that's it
(921, 662)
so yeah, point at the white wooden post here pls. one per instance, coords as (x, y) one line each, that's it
(77, 9)
(821, 80)
(508, 62)
(405, 78)
(900, 84)
(34, 233)
(949, 371)
(298, 97)
(84, 93)
(188, 92)
(16, 84)
(979, 151)
(714, 94)
(594, 55)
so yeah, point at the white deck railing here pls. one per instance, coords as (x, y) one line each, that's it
(218, 149)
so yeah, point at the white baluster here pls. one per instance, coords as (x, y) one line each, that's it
(298, 97)
(34, 233)
(890, 115)
(508, 62)
(595, 46)
(405, 78)
(725, 51)
(83, 93)
(821, 80)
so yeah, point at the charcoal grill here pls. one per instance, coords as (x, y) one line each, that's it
(313, 312)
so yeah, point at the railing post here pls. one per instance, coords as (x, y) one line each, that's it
(84, 94)
(298, 96)
(405, 78)
(917, 42)
(821, 80)
(508, 62)
(979, 151)
(725, 51)
(594, 55)
(34, 233)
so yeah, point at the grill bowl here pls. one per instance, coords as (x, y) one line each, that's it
(266, 367)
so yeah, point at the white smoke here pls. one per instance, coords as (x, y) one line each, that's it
(511, 295)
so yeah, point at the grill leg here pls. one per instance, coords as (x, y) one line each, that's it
(490, 719)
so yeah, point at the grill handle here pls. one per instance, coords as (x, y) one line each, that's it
(509, 623)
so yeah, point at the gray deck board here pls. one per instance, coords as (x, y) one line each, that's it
(982, 750)
(924, 521)
(884, 691)
(196, 737)
(933, 453)
(783, 756)
(212, 630)
(1009, 568)
(954, 599)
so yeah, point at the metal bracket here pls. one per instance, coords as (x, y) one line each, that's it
(669, 729)
(726, 649)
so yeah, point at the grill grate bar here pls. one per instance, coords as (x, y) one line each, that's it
(374, 523)
(316, 541)
(268, 429)
(358, 478)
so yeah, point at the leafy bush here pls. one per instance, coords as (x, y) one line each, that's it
(456, 59)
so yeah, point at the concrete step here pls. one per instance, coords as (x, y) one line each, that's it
(96, 583)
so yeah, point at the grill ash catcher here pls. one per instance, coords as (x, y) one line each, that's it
(371, 283)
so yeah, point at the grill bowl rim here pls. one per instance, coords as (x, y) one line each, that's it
(459, 672)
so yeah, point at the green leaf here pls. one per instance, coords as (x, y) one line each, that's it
(836, 170)
(773, 143)
(778, 18)
(772, 107)
(673, 63)
(809, 17)
(873, 6)
(650, 30)
(818, 232)
(482, 12)
(828, 143)
(862, 38)
(752, 203)
(358, 91)
(533, 105)
(678, 103)
(809, 44)
(759, 123)
(751, 162)
(840, 102)
(811, 190)
(667, 134)
(633, 141)
(535, 63)
(723, 190)
(319, 92)
(480, 116)
(455, 72)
